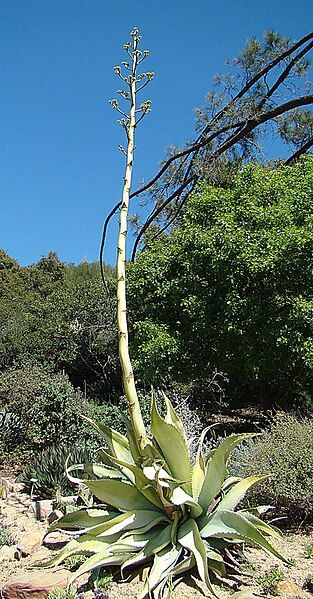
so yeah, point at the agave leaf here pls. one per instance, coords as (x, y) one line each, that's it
(230, 482)
(154, 545)
(102, 471)
(189, 537)
(186, 564)
(180, 497)
(163, 563)
(132, 441)
(118, 444)
(104, 558)
(137, 521)
(216, 469)
(259, 510)
(216, 562)
(174, 448)
(57, 559)
(140, 539)
(74, 467)
(267, 529)
(199, 469)
(119, 494)
(85, 545)
(233, 525)
(85, 518)
(171, 417)
(143, 484)
(238, 491)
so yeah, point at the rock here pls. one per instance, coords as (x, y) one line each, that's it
(40, 555)
(7, 553)
(44, 508)
(35, 585)
(55, 515)
(55, 540)
(290, 590)
(28, 545)
(244, 594)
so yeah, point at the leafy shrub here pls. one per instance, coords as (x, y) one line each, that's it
(62, 594)
(5, 537)
(269, 580)
(286, 452)
(230, 288)
(49, 470)
(74, 562)
(40, 409)
(309, 551)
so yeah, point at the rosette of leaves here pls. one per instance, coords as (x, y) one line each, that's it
(158, 509)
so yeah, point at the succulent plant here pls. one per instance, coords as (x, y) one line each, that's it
(161, 510)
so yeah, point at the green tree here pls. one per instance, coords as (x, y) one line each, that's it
(57, 315)
(230, 288)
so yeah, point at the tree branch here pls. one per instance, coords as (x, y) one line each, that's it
(224, 110)
(308, 144)
(157, 211)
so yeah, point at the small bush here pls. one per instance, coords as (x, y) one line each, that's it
(5, 537)
(269, 580)
(49, 471)
(104, 582)
(285, 451)
(62, 594)
(74, 562)
(40, 409)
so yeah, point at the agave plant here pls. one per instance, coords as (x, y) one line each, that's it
(153, 506)
(161, 510)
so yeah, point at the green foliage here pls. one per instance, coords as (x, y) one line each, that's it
(5, 537)
(62, 594)
(286, 452)
(105, 581)
(44, 407)
(230, 288)
(159, 509)
(269, 580)
(40, 410)
(58, 315)
(74, 562)
(309, 551)
(49, 471)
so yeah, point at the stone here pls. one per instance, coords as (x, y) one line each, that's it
(290, 590)
(7, 484)
(35, 585)
(40, 555)
(244, 594)
(7, 553)
(55, 515)
(43, 508)
(28, 545)
(55, 540)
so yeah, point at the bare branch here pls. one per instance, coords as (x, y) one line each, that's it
(305, 148)
(157, 211)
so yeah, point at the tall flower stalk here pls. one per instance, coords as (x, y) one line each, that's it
(134, 83)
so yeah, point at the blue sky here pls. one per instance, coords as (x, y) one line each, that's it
(60, 170)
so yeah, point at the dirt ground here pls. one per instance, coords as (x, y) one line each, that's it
(17, 514)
